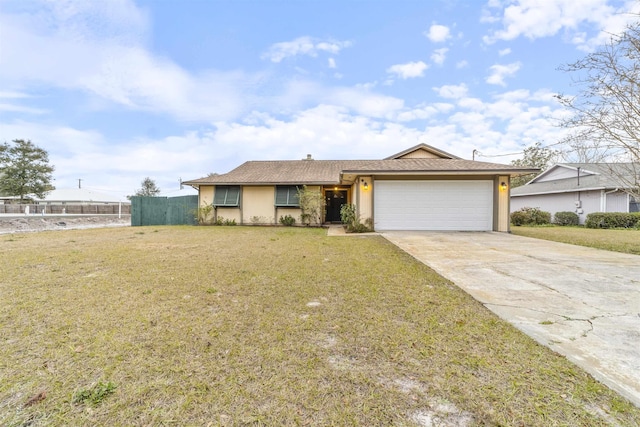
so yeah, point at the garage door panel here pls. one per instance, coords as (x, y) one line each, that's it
(433, 205)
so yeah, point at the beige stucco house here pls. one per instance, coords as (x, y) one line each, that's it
(421, 188)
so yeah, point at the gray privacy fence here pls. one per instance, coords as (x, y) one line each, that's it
(163, 210)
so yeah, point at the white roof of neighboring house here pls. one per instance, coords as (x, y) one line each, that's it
(78, 195)
(584, 177)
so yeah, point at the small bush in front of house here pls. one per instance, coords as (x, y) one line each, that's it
(223, 221)
(530, 216)
(566, 218)
(287, 220)
(613, 220)
(348, 214)
(350, 219)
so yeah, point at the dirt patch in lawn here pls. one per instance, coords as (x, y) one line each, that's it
(12, 224)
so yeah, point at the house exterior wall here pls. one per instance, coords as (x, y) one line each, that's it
(502, 221)
(420, 154)
(228, 213)
(294, 212)
(205, 198)
(590, 201)
(258, 205)
(616, 202)
(364, 199)
(205, 195)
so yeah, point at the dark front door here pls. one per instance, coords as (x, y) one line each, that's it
(335, 199)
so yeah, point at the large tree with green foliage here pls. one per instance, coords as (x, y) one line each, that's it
(605, 124)
(534, 156)
(24, 170)
(148, 188)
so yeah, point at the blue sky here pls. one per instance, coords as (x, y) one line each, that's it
(117, 90)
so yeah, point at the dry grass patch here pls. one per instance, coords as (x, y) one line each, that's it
(214, 326)
(626, 241)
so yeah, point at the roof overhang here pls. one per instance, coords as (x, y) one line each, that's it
(571, 190)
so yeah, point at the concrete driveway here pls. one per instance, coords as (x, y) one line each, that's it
(582, 303)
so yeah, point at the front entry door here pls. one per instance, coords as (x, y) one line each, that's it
(334, 201)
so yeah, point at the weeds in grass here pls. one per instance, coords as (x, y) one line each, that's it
(94, 395)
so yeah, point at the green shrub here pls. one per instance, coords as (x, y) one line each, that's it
(530, 216)
(566, 218)
(287, 220)
(350, 219)
(223, 221)
(348, 214)
(613, 220)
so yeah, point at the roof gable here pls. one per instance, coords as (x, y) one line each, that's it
(562, 171)
(564, 178)
(422, 151)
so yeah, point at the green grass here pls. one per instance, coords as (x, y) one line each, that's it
(263, 326)
(618, 240)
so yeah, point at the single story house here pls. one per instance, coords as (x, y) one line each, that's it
(582, 188)
(421, 188)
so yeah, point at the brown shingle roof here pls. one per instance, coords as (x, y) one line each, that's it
(329, 171)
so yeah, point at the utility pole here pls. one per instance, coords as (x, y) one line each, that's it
(79, 183)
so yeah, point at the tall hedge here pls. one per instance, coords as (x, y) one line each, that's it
(613, 220)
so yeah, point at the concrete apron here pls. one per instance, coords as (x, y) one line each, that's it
(581, 302)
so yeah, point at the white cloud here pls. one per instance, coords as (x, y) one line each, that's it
(504, 52)
(20, 109)
(331, 63)
(439, 55)
(424, 112)
(321, 131)
(535, 19)
(462, 64)
(438, 33)
(408, 70)
(452, 91)
(115, 66)
(303, 46)
(88, 155)
(499, 72)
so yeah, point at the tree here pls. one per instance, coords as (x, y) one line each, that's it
(24, 170)
(535, 156)
(148, 189)
(311, 204)
(605, 125)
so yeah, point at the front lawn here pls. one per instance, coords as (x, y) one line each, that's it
(618, 240)
(264, 326)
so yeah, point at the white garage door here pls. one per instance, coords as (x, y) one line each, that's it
(433, 205)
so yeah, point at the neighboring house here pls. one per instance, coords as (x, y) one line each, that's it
(421, 188)
(579, 187)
